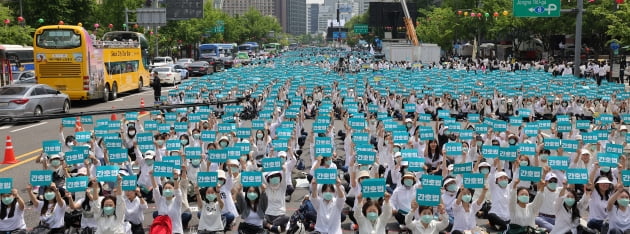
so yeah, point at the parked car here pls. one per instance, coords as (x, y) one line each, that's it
(243, 58)
(161, 61)
(200, 68)
(168, 75)
(24, 77)
(24, 100)
(183, 71)
(184, 62)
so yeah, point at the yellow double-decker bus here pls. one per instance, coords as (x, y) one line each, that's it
(71, 60)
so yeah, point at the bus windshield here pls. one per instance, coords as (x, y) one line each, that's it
(58, 39)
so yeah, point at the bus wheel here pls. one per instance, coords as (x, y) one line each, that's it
(114, 93)
(106, 93)
(140, 85)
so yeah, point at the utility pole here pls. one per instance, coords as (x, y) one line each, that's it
(578, 38)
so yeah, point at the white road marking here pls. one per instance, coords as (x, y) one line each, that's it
(27, 127)
(6, 127)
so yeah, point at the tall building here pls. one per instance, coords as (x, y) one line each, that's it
(312, 17)
(239, 7)
(296, 17)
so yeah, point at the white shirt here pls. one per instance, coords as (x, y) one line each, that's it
(462, 220)
(402, 197)
(549, 204)
(367, 226)
(499, 197)
(172, 208)
(328, 215)
(210, 219)
(434, 227)
(276, 204)
(113, 224)
(15, 222)
(619, 219)
(134, 210)
(597, 206)
(525, 216)
(54, 215)
(87, 217)
(564, 222)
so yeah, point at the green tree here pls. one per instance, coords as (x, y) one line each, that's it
(14, 33)
(257, 26)
(53, 11)
(619, 27)
(439, 27)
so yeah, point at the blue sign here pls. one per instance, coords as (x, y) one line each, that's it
(462, 168)
(218, 155)
(625, 177)
(431, 181)
(473, 118)
(426, 133)
(251, 178)
(133, 116)
(366, 157)
(415, 164)
(207, 178)
(424, 118)
(76, 184)
(107, 173)
(41, 177)
(68, 122)
(577, 175)
(570, 145)
(453, 149)
(490, 151)
(558, 162)
(508, 153)
(51, 147)
(272, 164)
(324, 150)
(361, 137)
(474, 180)
(527, 149)
(607, 160)
(466, 135)
(564, 127)
(173, 145)
(6, 184)
(128, 183)
(74, 157)
(208, 136)
(163, 169)
(163, 127)
(117, 155)
(326, 175)
(400, 137)
(244, 133)
(533, 174)
(552, 143)
(373, 188)
(615, 149)
(583, 124)
(516, 120)
(544, 124)
(192, 152)
(531, 129)
(589, 137)
(181, 127)
(428, 196)
(226, 127)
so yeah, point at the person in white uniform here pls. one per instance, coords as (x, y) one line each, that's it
(522, 212)
(427, 223)
(169, 202)
(372, 214)
(135, 206)
(328, 206)
(110, 212)
(51, 210)
(12, 212)
(465, 210)
(618, 212)
(210, 206)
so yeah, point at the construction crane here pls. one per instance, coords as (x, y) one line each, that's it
(411, 30)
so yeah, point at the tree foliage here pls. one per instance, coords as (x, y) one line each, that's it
(13, 33)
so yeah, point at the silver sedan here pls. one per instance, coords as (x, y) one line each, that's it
(23, 100)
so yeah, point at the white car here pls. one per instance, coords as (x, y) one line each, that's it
(168, 75)
(161, 61)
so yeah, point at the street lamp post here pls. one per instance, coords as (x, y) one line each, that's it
(578, 39)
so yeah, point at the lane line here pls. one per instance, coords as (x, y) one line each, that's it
(18, 164)
(27, 127)
(6, 127)
(29, 153)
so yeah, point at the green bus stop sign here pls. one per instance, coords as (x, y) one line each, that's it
(536, 8)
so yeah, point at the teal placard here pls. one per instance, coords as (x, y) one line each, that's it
(474, 180)
(102, 122)
(508, 153)
(415, 164)
(625, 118)
(243, 146)
(146, 146)
(426, 133)
(207, 178)
(164, 127)
(324, 150)
(173, 145)
(531, 129)
(175, 160)
(473, 118)
(615, 149)
(453, 149)
(499, 126)
(583, 124)
(466, 135)
(357, 123)
(194, 117)
(424, 118)
(625, 177)
(544, 124)
(208, 136)
(516, 120)
(320, 127)
(107, 173)
(218, 155)
(51, 147)
(170, 117)
(112, 141)
(74, 157)
(87, 119)
(114, 125)
(76, 184)
(463, 168)
(524, 112)
(373, 188)
(366, 157)
(443, 114)
(605, 118)
(272, 164)
(431, 181)
(281, 144)
(481, 128)
(41, 177)
(601, 134)
(251, 178)
(284, 132)
(233, 152)
(68, 122)
(361, 137)
(100, 131)
(558, 162)
(570, 146)
(181, 127)
(552, 143)
(409, 153)
(192, 152)
(117, 155)
(564, 127)
(244, 133)
(577, 175)
(410, 107)
(400, 137)
(128, 183)
(490, 151)
(164, 169)
(131, 116)
(6, 184)
(326, 175)
(428, 196)
(144, 138)
(226, 127)
(589, 137)
(563, 119)
(527, 173)
(608, 160)
(527, 149)
(258, 124)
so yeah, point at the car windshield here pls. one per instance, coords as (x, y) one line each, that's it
(159, 60)
(200, 64)
(58, 39)
(13, 90)
(162, 69)
(16, 76)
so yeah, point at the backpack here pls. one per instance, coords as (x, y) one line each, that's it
(161, 225)
(303, 220)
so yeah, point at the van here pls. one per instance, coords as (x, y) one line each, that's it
(161, 61)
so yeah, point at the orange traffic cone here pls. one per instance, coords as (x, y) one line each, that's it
(113, 116)
(143, 112)
(77, 126)
(9, 155)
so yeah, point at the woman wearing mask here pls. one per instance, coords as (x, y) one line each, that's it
(224, 142)
(433, 158)
(129, 138)
(51, 210)
(135, 206)
(522, 212)
(196, 138)
(598, 201)
(261, 144)
(169, 202)
(12, 213)
(499, 215)
(88, 213)
(449, 197)
(427, 223)
(465, 210)
(184, 141)
(210, 206)
(567, 212)
(372, 214)
(403, 196)
(251, 203)
(275, 215)
(144, 178)
(328, 207)
(618, 212)
(110, 212)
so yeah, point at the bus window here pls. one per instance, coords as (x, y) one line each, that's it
(58, 38)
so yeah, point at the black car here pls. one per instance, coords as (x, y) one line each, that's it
(199, 68)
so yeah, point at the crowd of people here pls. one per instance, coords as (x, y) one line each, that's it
(367, 111)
